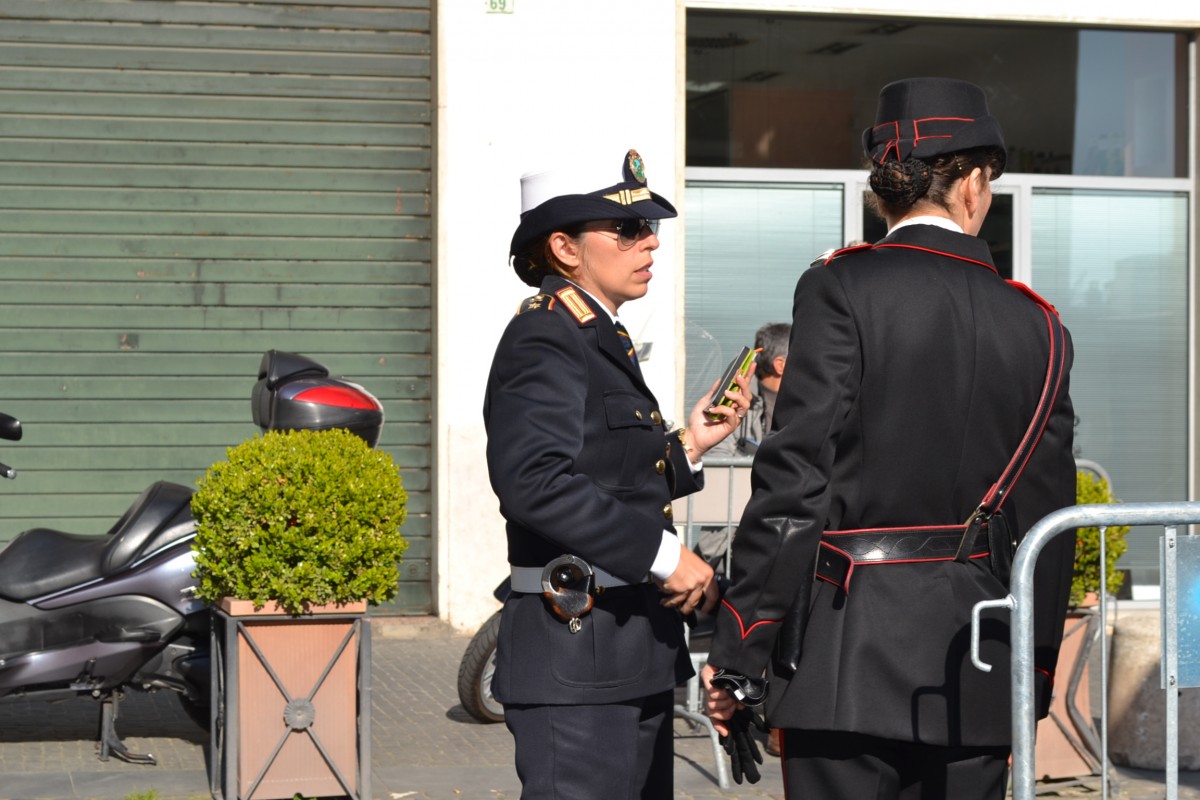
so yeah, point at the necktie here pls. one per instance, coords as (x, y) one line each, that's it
(627, 343)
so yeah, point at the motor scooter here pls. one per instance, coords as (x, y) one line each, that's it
(97, 615)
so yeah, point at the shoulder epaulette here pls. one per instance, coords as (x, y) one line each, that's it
(1031, 294)
(538, 301)
(835, 252)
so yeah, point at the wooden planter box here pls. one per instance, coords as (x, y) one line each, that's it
(290, 703)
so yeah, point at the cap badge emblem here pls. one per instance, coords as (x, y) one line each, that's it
(637, 167)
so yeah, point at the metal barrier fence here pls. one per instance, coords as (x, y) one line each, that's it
(1020, 602)
(715, 510)
(713, 514)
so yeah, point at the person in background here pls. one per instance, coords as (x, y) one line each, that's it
(771, 340)
(886, 503)
(579, 454)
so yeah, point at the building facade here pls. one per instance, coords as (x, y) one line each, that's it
(753, 110)
(187, 185)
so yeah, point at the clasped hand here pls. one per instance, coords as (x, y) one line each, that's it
(733, 722)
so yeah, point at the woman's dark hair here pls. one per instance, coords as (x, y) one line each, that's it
(537, 260)
(900, 185)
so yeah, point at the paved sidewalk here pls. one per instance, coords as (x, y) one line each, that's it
(424, 746)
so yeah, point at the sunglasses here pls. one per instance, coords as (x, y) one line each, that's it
(629, 231)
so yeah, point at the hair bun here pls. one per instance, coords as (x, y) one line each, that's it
(901, 183)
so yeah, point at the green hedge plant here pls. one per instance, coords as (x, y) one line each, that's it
(302, 518)
(1091, 488)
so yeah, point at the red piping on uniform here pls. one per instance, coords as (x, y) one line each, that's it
(1051, 393)
(940, 253)
(1062, 357)
(742, 625)
(1032, 295)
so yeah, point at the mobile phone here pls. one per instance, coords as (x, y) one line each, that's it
(739, 366)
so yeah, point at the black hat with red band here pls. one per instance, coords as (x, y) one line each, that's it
(927, 117)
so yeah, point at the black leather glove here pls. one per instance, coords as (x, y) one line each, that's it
(740, 745)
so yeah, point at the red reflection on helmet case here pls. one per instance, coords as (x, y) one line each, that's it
(339, 396)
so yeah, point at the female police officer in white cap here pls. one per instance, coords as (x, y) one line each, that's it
(917, 378)
(585, 470)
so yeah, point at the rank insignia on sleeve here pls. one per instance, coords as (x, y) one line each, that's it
(576, 305)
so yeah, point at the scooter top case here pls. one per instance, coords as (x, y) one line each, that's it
(295, 392)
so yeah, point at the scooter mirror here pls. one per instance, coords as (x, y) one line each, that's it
(10, 427)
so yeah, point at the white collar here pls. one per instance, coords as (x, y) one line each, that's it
(927, 219)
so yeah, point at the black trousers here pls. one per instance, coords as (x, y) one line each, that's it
(618, 751)
(832, 765)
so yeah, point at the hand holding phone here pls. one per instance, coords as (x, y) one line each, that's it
(738, 367)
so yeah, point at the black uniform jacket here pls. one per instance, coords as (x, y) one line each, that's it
(913, 372)
(579, 455)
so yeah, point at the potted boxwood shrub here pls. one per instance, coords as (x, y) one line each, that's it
(1091, 488)
(296, 532)
(1068, 746)
(301, 519)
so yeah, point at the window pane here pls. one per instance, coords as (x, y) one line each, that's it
(787, 90)
(746, 246)
(1115, 265)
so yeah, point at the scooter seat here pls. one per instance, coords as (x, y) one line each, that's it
(41, 561)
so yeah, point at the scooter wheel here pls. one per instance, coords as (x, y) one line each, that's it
(475, 674)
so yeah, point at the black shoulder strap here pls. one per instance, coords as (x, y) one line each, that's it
(998, 493)
(1054, 374)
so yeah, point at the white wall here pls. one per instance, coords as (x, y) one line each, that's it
(517, 92)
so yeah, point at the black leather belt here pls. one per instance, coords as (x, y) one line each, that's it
(841, 551)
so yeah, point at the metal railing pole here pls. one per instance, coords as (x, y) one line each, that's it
(692, 710)
(1171, 655)
(1103, 665)
(1020, 600)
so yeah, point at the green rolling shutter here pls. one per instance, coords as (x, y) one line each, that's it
(182, 187)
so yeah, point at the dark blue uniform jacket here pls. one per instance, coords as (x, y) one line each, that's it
(581, 460)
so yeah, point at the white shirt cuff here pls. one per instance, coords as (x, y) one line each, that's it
(668, 557)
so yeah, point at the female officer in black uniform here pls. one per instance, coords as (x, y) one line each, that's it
(584, 466)
(914, 375)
